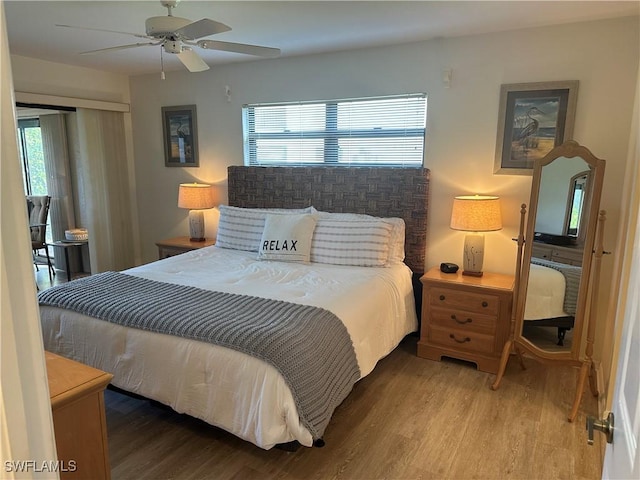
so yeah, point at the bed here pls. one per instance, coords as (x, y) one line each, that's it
(552, 292)
(247, 394)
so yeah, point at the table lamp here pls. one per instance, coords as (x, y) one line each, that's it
(196, 197)
(475, 213)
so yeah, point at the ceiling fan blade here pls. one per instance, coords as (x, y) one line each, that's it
(239, 48)
(139, 35)
(120, 47)
(192, 60)
(201, 28)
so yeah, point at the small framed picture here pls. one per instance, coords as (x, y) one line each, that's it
(533, 119)
(179, 126)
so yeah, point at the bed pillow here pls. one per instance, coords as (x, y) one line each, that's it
(241, 228)
(396, 243)
(287, 238)
(351, 241)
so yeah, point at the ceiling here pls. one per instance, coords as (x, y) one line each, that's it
(295, 27)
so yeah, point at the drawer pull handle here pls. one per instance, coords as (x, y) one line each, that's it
(442, 297)
(464, 340)
(461, 322)
(485, 304)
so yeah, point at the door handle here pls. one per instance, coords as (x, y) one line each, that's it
(605, 426)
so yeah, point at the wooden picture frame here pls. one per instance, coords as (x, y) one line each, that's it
(533, 119)
(180, 133)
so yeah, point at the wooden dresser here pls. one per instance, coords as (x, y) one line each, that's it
(557, 253)
(77, 404)
(465, 317)
(178, 245)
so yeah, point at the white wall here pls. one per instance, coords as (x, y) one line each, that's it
(462, 120)
(26, 425)
(50, 78)
(461, 126)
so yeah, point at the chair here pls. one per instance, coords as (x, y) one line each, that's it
(38, 208)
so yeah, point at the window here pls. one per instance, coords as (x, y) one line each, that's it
(381, 131)
(32, 156)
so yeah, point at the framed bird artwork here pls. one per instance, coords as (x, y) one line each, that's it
(533, 119)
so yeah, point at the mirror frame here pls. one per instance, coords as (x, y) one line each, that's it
(568, 149)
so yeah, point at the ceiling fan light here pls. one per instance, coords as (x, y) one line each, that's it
(172, 46)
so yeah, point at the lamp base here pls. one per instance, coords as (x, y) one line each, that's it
(196, 225)
(473, 254)
(472, 274)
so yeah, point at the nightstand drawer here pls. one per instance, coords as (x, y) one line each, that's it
(457, 299)
(461, 339)
(464, 319)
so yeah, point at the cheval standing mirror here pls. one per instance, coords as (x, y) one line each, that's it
(557, 275)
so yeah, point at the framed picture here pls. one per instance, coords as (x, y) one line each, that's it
(180, 131)
(533, 119)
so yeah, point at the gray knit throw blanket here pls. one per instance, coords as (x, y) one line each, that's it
(309, 346)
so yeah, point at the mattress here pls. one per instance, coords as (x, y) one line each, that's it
(545, 293)
(223, 387)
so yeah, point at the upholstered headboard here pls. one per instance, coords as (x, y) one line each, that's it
(378, 191)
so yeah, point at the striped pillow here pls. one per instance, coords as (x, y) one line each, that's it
(396, 245)
(241, 228)
(356, 242)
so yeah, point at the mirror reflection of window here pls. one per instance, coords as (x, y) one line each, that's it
(555, 204)
(575, 204)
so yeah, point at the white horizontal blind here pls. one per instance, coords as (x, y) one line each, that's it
(380, 131)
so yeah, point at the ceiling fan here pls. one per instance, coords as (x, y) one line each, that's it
(178, 35)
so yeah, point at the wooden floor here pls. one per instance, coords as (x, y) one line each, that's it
(410, 419)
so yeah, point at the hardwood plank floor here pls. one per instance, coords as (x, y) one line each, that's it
(410, 419)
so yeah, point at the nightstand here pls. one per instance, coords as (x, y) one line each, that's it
(178, 245)
(79, 422)
(464, 317)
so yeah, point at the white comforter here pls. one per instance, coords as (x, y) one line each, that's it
(545, 293)
(228, 389)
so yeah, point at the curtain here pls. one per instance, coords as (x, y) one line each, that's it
(59, 183)
(102, 195)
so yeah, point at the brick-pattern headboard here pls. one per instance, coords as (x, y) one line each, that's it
(378, 191)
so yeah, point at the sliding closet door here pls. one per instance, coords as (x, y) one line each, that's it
(103, 206)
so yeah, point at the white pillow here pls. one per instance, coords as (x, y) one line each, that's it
(396, 243)
(351, 241)
(241, 228)
(287, 237)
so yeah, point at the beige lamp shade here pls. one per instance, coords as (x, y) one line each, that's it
(196, 196)
(476, 213)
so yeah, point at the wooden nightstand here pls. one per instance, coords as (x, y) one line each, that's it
(77, 405)
(465, 317)
(178, 245)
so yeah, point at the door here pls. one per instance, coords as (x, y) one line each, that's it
(622, 457)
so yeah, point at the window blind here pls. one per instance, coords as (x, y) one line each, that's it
(380, 131)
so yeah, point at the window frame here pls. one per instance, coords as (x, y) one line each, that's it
(23, 124)
(331, 134)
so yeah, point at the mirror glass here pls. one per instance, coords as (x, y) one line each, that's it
(555, 266)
